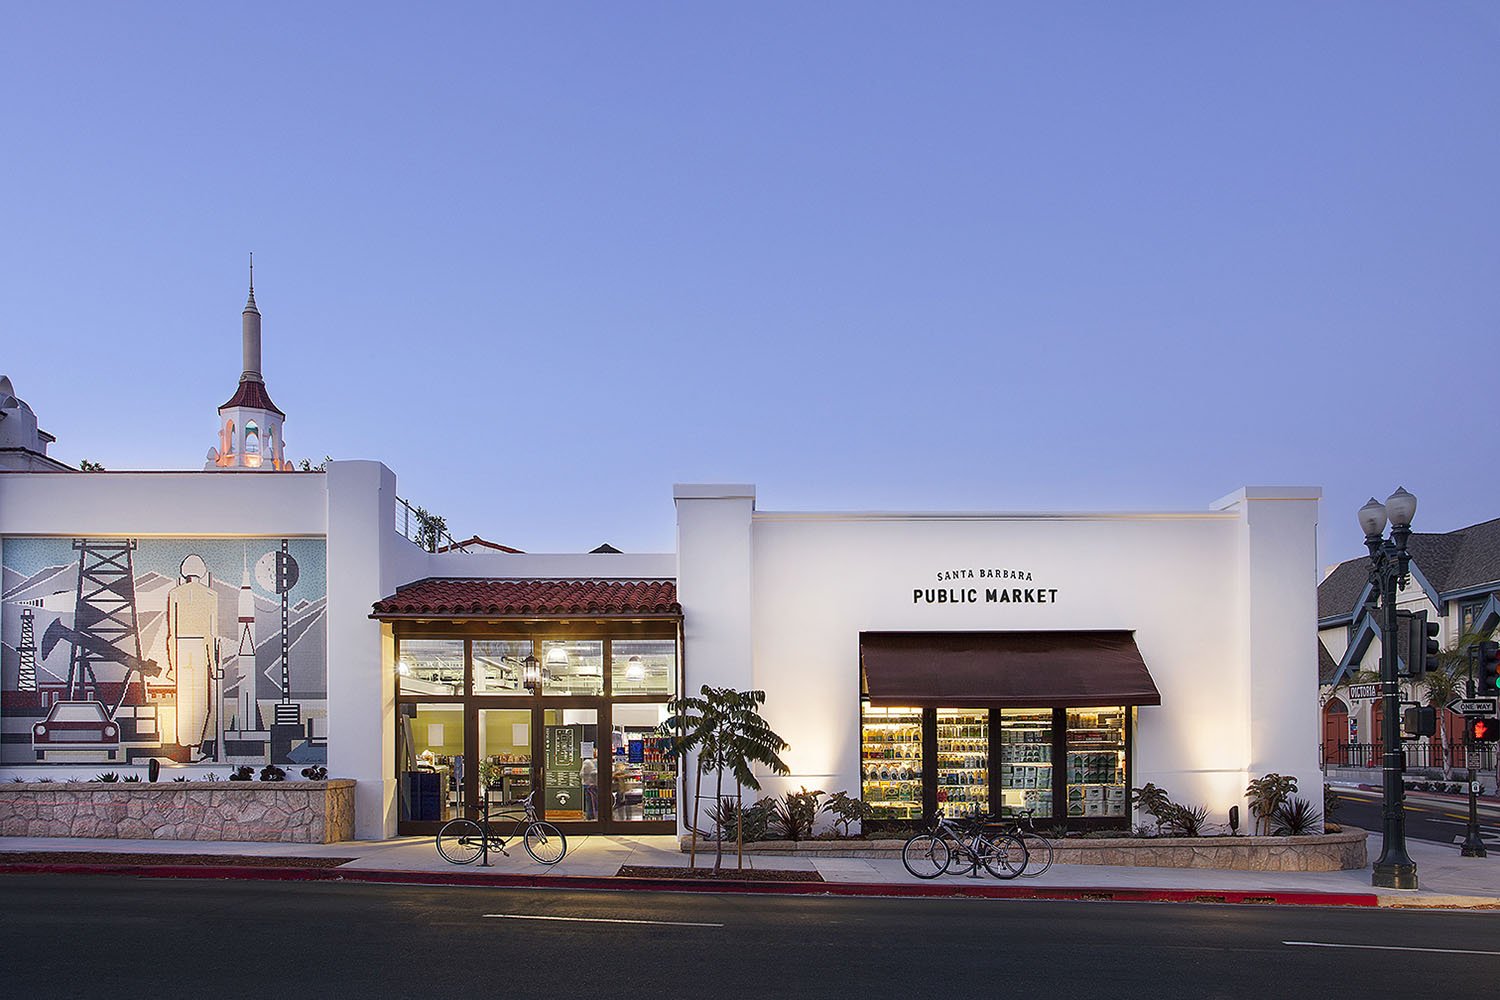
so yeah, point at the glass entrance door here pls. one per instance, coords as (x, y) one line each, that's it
(506, 769)
(570, 765)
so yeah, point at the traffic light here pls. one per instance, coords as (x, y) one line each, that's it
(1489, 669)
(1485, 730)
(1422, 644)
(1418, 721)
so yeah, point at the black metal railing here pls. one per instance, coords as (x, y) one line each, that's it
(1420, 756)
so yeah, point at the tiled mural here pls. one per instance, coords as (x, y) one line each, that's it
(114, 650)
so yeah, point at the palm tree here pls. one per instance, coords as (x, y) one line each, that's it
(1441, 686)
(724, 730)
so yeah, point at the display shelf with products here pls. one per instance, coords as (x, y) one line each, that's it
(963, 760)
(891, 761)
(658, 780)
(1026, 760)
(1096, 763)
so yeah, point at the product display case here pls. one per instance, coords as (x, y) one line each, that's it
(963, 761)
(1026, 760)
(891, 762)
(1096, 763)
(658, 780)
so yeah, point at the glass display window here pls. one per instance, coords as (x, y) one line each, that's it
(643, 666)
(572, 666)
(963, 761)
(430, 666)
(498, 666)
(891, 762)
(430, 746)
(643, 781)
(1096, 763)
(1026, 761)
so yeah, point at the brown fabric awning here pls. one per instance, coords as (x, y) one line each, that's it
(1004, 669)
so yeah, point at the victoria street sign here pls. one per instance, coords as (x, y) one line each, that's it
(1364, 692)
(1473, 706)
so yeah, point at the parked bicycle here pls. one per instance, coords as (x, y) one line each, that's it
(963, 847)
(1038, 847)
(464, 841)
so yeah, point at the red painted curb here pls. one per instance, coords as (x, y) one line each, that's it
(929, 890)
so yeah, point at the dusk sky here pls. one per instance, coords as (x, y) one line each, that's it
(546, 260)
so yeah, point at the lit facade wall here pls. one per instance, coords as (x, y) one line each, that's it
(1222, 602)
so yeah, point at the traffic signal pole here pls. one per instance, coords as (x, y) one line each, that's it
(1473, 846)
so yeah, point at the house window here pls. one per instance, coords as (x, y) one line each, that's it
(1468, 615)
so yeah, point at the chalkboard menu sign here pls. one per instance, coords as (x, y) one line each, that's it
(564, 779)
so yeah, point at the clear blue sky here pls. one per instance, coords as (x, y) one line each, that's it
(546, 260)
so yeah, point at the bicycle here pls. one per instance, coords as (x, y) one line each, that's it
(937, 852)
(464, 841)
(1038, 847)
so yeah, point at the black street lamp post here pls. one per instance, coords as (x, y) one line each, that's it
(1389, 562)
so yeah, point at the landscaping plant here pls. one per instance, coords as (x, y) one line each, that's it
(795, 814)
(847, 811)
(1295, 818)
(1266, 794)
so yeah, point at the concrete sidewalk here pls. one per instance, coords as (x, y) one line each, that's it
(1447, 879)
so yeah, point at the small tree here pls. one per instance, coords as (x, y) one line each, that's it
(85, 465)
(723, 729)
(847, 810)
(430, 528)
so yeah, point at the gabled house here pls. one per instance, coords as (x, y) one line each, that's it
(1455, 578)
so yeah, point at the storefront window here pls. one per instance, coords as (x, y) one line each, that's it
(891, 762)
(963, 761)
(571, 666)
(498, 666)
(431, 666)
(430, 742)
(1026, 760)
(643, 666)
(644, 781)
(570, 766)
(505, 771)
(1096, 762)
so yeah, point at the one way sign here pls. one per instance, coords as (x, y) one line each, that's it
(1473, 706)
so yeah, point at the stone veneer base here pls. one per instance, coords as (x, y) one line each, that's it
(298, 812)
(1320, 853)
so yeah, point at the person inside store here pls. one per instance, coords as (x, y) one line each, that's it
(588, 772)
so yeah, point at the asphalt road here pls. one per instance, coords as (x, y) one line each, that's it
(1435, 820)
(92, 936)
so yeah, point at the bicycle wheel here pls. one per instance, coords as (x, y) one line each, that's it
(460, 841)
(545, 843)
(926, 856)
(1038, 854)
(1003, 856)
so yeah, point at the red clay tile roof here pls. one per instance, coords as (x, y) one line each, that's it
(252, 394)
(454, 598)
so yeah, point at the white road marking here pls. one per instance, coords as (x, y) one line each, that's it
(1386, 947)
(600, 920)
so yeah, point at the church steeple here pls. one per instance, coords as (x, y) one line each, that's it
(250, 424)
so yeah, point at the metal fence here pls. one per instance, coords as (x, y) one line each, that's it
(1420, 756)
(411, 522)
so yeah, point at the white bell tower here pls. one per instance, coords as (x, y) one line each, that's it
(250, 436)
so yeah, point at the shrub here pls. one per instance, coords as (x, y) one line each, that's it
(1295, 818)
(728, 815)
(242, 773)
(317, 772)
(272, 773)
(180, 779)
(1185, 821)
(1266, 794)
(1154, 802)
(134, 778)
(795, 813)
(18, 780)
(847, 811)
(109, 777)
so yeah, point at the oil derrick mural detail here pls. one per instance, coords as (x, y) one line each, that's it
(149, 650)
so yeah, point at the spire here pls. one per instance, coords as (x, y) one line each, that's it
(250, 305)
(250, 333)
